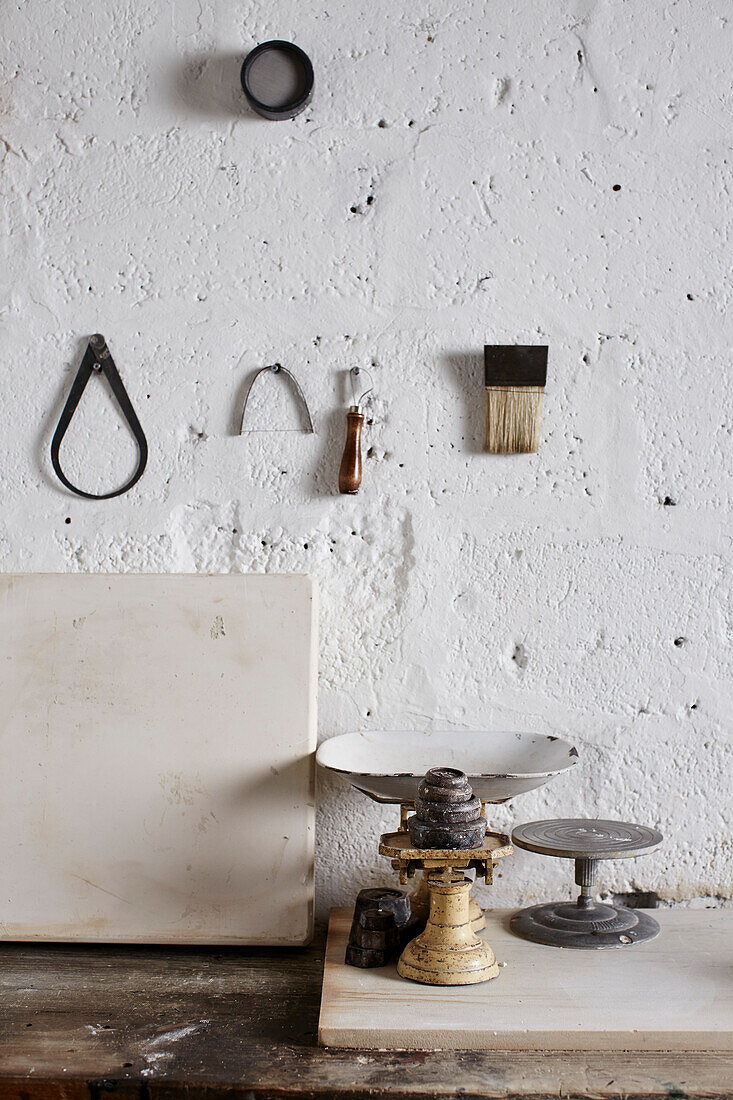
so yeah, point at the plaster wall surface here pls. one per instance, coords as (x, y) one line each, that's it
(510, 172)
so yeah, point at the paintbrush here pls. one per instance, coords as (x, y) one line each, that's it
(515, 377)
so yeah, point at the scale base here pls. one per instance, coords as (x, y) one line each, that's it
(589, 926)
(448, 952)
(435, 966)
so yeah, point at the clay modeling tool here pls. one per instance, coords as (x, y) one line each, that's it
(277, 79)
(279, 371)
(97, 360)
(515, 377)
(585, 922)
(350, 469)
(448, 951)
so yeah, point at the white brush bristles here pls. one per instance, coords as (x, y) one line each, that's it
(513, 415)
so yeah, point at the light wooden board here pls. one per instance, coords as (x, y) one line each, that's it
(673, 993)
(156, 738)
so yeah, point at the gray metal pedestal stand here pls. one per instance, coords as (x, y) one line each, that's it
(585, 923)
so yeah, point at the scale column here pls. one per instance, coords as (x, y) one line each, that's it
(448, 952)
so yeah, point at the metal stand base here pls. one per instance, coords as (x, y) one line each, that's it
(586, 922)
(594, 925)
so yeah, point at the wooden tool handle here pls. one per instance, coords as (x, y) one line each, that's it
(350, 470)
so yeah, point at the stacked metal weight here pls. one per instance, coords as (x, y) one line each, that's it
(381, 917)
(447, 814)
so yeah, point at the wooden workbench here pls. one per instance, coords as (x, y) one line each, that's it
(76, 1023)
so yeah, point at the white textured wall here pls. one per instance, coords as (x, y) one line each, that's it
(142, 199)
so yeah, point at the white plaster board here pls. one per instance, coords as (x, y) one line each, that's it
(157, 741)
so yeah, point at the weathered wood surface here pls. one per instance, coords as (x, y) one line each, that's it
(158, 1024)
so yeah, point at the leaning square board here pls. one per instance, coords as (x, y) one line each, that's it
(156, 739)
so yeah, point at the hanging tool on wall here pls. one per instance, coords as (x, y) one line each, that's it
(514, 376)
(350, 470)
(277, 369)
(97, 359)
(277, 79)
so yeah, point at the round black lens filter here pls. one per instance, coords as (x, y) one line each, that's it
(277, 78)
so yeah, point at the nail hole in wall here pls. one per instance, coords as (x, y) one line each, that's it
(519, 656)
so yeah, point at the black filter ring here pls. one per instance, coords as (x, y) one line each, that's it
(288, 110)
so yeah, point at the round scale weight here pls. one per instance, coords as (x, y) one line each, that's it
(277, 79)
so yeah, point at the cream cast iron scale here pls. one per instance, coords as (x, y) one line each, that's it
(585, 923)
(448, 951)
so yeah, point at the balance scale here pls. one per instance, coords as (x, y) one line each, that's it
(667, 992)
(448, 952)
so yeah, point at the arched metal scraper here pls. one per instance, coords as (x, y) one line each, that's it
(276, 368)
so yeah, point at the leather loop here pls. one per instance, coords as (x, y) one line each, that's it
(97, 359)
